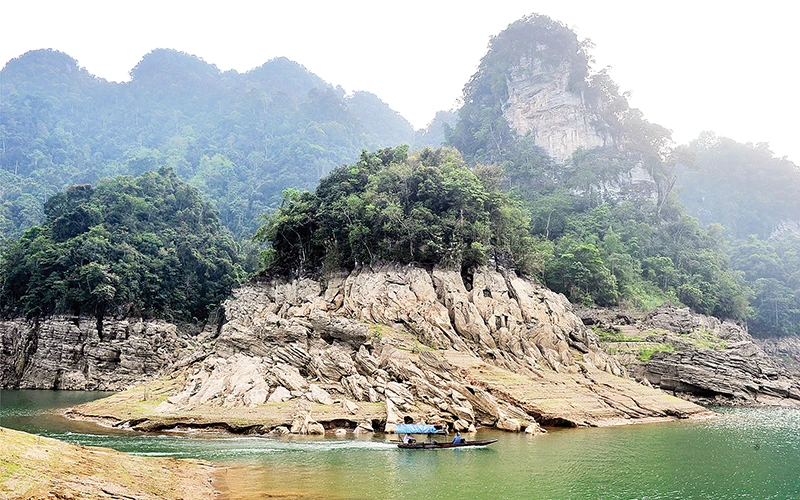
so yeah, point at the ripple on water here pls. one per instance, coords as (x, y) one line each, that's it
(744, 453)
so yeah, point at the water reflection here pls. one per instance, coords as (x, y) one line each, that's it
(744, 453)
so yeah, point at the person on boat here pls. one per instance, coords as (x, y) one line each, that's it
(458, 439)
(407, 439)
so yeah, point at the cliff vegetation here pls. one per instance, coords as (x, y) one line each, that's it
(608, 226)
(426, 208)
(131, 246)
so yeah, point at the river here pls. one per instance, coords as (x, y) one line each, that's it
(743, 453)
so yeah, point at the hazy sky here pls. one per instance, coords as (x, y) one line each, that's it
(725, 66)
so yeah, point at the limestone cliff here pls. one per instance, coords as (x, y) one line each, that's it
(698, 357)
(786, 350)
(402, 341)
(541, 103)
(69, 353)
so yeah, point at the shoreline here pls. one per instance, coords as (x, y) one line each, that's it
(190, 426)
(34, 466)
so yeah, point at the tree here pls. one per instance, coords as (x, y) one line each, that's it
(427, 208)
(135, 246)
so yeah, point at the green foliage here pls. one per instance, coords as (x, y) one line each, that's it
(578, 271)
(239, 138)
(625, 253)
(146, 246)
(773, 268)
(646, 352)
(751, 193)
(427, 208)
(744, 187)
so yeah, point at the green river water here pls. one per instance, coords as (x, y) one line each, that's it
(743, 453)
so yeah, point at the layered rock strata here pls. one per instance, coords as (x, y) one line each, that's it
(70, 353)
(786, 350)
(697, 357)
(506, 353)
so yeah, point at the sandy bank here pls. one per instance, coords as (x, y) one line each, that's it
(35, 467)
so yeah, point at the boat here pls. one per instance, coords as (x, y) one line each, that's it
(430, 444)
(434, 445)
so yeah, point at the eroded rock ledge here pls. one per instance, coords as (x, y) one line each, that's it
(367, 349)
(71, 353)
(697, 357)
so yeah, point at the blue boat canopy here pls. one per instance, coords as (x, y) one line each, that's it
(417, 429)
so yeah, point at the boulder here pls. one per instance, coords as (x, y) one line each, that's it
(508, 424)
(279, 395)
(289, 377)
(316, 428)
(318, 395)
(333, 328)
(461, 425)
(364, 427)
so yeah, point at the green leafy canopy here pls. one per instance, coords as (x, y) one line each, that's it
(426, 208)
(147, 246)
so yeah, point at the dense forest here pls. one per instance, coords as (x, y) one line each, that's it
(131, 246)
(239, 138)
(753, 195)
(426, 208)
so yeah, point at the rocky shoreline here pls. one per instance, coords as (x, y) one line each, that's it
(40, 467)
(698, 358)
(362, 351)
(359, 352)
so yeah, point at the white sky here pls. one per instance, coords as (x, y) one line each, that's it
(726, 66)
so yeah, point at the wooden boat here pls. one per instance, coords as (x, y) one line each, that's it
(433, 445)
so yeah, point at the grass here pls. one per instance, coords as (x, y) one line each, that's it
(615, 336)
(703, 338)
(377, 331)
(645, 353)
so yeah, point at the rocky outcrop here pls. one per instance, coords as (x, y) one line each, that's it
(418, 343)
(70, 353)
(540, 103)
(785, 350)
(697, 357)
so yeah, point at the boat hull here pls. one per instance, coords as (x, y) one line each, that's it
(444, 446)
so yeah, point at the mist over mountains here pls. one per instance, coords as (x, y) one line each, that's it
(614, 203)
(240, 138)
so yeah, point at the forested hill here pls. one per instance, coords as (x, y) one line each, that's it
(240, 138)
(597, 177)
(754, 195)
(131, 246)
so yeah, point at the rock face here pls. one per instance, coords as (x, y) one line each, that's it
(700, 357)
(540, 103)
(505, 353)
(68, 353)
(786, 350)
